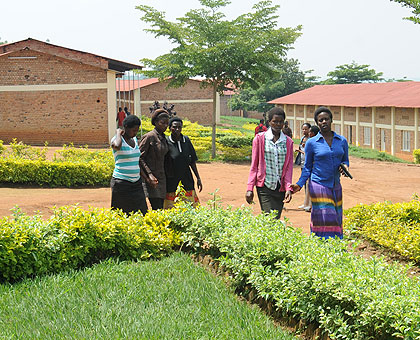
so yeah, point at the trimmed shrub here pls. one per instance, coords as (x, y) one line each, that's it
(317, 280)
(72, 238)
(394, 226)
(416, 154)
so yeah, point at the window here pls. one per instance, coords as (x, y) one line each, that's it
(337, 129)
(367, 137)
(406, 141)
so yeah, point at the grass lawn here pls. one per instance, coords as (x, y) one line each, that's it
(168, 299)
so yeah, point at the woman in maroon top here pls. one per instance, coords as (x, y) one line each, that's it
(153, 148)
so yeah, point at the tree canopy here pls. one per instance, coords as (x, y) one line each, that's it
(288, 79)
(241, 51)
(353, 74)
(415, 6)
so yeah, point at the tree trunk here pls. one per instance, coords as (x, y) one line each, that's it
(213, 124)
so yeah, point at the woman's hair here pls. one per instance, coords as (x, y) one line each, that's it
(321, 109)
(276, 111)
(314, 129)
(131, 121)
(307, 124)
(175, 119)
(158, 115)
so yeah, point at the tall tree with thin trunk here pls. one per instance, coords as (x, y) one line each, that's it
(415, 6)
(220, 51)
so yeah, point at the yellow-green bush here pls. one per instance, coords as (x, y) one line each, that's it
(416, 154)
(54, 174)
(395, 226)
(73, 237)
(235, 154)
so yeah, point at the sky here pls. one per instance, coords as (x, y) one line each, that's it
(335, 32)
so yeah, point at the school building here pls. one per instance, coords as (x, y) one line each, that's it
(57, 94)
(382, 116)
(192, 101)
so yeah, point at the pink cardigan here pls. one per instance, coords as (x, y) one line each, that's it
(257, 172)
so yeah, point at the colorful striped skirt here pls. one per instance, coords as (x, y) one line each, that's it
(327, 212)
(190, 195)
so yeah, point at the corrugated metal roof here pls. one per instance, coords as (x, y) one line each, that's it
(130, 84)
(397, 94)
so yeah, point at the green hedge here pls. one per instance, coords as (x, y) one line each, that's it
(72, 238)
(394, 226)
(54, 174)
(319, 281)
(416, 154)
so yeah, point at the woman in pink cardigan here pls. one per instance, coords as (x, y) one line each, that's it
(272, 165)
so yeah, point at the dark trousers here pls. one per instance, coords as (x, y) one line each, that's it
(271, 199)
(156, 203)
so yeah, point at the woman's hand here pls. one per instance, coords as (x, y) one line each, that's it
(199, 185)
(295, 188)
(153, 181)
(249, 197)
(341, 170)
(287, 196)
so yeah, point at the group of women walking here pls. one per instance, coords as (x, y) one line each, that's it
(163, 162)
(158, 161)
(325, 159)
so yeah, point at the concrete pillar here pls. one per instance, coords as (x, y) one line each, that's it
(112, 103)
(373, 127)
(305, 113)
(342, 121)
(296, 126)
(393, 130)
(357, 125)
(416, 128)
(137, 105)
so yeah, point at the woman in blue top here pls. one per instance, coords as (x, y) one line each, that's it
(126, 184)
(323, 155)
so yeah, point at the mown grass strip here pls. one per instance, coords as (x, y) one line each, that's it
(168, 299)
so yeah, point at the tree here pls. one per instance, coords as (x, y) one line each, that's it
(415, 6)
(353, 74)
(239, 52)
(3, 42)
(288, 79)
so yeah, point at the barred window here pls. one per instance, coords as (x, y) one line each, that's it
(367, 137)
(406, 141)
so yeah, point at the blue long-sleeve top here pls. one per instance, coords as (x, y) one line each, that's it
(322, 161)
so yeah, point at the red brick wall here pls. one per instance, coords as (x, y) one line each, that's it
(62, 116)
(195, 112)
(67, 53)
(46, 69)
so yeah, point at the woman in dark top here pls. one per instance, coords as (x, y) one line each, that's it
(182, 158)
(153, 148)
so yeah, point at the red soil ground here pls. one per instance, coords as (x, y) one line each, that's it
(373, 182)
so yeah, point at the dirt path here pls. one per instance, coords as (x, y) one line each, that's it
(373, 182)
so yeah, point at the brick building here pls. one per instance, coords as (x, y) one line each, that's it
(56, 94)
(191, 100)
(382, 116)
